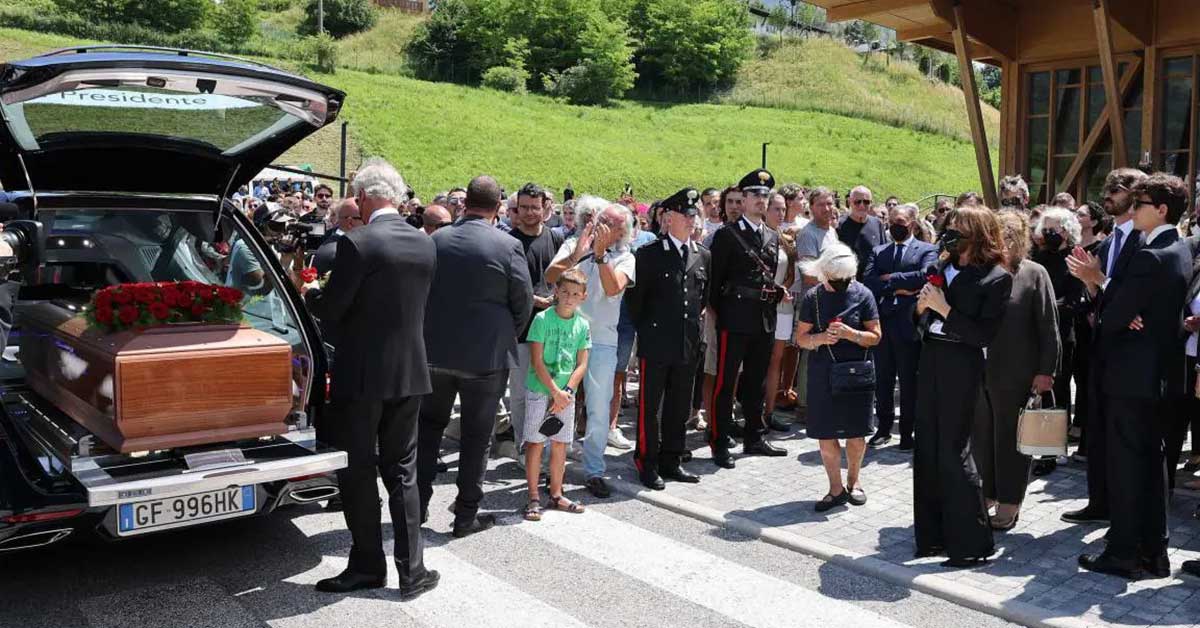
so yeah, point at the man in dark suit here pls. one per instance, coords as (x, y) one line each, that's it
(1102, 274)
(480, 301)
(375, 302)
(895, 273)
(1187, 405)
(744, 296)
(1143, 371)
(667, 306)
(347, 218)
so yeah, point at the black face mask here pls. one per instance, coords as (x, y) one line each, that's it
(1051, 239)
(839, 285)
(951, 241)
(899, 233)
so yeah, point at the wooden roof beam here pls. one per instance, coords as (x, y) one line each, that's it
(1112, 90)
(864, 9)
(990, 23)
(983, 158)
(1096, 134)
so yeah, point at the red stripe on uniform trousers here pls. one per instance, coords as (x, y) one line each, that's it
(713, 431)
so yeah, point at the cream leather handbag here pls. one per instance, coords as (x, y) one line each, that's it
(1042, 431)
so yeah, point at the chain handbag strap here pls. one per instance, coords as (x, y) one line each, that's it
(817, 305)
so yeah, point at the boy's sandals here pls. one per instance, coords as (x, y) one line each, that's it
(565, 505)
(533, 510)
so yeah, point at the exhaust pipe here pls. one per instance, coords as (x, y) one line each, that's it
(314, 494)
(34, 539)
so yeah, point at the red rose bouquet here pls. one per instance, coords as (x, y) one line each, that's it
(936, 280)
(141, 305)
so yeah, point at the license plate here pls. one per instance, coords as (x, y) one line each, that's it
(173, 512)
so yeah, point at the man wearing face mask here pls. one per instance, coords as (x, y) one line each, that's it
(895, 273)
(744, 296)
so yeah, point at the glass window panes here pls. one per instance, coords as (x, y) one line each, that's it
(1038, 145)
(1096, 103)
(1039, 93)
(1061, 166)
(1133, 136)
(1180, 66)
(1176, 113)
(1175, 163)
(1066, 122)
(1069, 76)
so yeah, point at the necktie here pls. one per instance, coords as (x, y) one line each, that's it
(683, 254)
(1118, 240)
(899, 257)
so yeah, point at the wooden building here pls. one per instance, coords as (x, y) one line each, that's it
(1065, 64)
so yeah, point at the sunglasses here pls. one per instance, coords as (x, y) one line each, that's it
(1010, 202)
(324, 196)
(861, 201)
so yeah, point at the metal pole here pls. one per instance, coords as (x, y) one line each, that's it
(320, 16)
(764, 156)
(342, 172)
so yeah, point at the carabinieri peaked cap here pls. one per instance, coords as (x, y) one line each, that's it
(758, 181)
(685, 201)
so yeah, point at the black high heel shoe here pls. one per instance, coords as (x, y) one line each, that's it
(929, 552)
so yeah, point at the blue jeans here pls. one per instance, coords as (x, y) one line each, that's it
(598, 387)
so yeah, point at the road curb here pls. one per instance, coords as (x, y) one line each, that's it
(1009, 610)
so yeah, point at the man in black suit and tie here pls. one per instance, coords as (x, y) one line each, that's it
(1143, 373)
(346, 217)
(375, 302)
(480, 301)
(667, 307)
(1102, 274)
(895, 273)
(744, 296)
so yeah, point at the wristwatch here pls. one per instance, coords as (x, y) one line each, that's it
(569, 390)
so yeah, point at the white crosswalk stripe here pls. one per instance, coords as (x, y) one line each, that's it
(738, 592)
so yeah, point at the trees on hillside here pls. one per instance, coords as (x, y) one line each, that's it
(691, 44)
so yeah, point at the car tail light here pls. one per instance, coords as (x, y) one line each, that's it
(306, 477)
(35, 517)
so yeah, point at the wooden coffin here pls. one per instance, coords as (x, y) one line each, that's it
(165, 387)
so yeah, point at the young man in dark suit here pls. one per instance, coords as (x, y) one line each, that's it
(480, 302)
(744, 296)
(895, 273)
(667, 307)
(1102, 274)
(1140, 324)
(375, 303)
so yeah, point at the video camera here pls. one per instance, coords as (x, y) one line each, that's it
(26, 238)
(287, 234)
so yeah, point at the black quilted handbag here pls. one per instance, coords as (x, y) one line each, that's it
(852, 377)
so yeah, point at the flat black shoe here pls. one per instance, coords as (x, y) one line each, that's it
(724, 461)
(831, 501)
(879, 440)
(1191, 568)
(965, 562)
(906, 444)
(478, 524)
(678, 474)
(1157, 566)
(598, 488)
(929, 552)
(763, 448)
(778, 426)
(348, 581)
(424, 584)
(653, 482)
(1085, 515)
(1104, 563)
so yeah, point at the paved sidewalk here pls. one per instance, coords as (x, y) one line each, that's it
(1037, 560)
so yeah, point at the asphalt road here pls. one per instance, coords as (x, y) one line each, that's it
(622, 563)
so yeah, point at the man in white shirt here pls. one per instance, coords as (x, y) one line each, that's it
(602, 253)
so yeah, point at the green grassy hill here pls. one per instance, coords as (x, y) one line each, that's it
(440, 135)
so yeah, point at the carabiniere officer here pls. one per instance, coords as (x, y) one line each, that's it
(667, 306)
(744, 296)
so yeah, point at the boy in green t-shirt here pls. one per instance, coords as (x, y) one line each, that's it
(558, 352)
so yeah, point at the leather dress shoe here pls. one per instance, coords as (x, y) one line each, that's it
(598, 488)
(723, 460)
(763, 448)
(678, 474)
(1107, 564)
(413, 589)
(1085, 515)
(1191, 567)
(478, 524)
(348, 581)
(1156, 565)
(685, 456)
(653, 482)
(879, 440)
(906, 444)
(730, 442)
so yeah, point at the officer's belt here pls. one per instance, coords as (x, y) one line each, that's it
(762, 292)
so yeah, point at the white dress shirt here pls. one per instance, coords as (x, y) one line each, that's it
(383, 211)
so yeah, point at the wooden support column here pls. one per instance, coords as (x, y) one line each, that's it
(1112, 91)
(1149, 101)
(983, 158)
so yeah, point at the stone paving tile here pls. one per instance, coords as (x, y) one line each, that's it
(1037, 560)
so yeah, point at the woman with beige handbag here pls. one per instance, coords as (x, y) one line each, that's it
(1020, 361)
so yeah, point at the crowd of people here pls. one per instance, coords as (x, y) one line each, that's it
(529, 314)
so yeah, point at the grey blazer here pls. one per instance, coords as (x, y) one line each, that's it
(1028, 342)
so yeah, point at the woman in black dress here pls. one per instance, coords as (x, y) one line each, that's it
(960, 311)
(838, 321)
